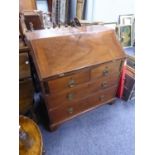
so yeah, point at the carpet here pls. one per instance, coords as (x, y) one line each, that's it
(107, 130)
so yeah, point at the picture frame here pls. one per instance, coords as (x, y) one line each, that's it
(125, 35)
(133, 33)
(126, 19)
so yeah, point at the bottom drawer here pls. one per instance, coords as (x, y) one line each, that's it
(26, 91)
(66, 112)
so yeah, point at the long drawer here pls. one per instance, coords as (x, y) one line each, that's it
(68, 111)
(80, 92)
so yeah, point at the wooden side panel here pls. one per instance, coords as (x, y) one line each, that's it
(26, 90)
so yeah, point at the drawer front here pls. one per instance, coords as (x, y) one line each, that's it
(68, 82)
(81, 92)
(67, 111)
(105, 70)
(26, 91)
(24, 67)
(103, 96)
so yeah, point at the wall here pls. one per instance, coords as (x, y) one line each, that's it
(42, 5)
(108, 10)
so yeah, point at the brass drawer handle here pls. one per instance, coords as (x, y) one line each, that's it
(70, 96)
(104, 85)
(70, 110)
(105, 72)
(71, 83)
(101, 98)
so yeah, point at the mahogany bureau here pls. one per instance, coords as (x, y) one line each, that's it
(78, 69)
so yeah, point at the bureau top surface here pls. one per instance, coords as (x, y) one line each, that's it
(57, 51)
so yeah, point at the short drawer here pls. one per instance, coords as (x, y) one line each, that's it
(68, 111)
(105, 70)
(24, 67)
(68, 82)
(80, 92)
(103, 96)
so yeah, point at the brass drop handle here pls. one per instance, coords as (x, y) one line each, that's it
(70, 96)
(104, 85)
(101, 98)
(105, 72)
(70, 110)
(71, 83)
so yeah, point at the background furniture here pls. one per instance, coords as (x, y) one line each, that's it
(33, 20)
(26, 88)
(77, 69)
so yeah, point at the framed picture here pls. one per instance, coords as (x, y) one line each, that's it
(125, 35)
(126, 19)
(133, 33)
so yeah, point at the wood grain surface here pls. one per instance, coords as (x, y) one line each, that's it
(26, 91)
(24, 66)
(78, 69)
(26, 5)
(75, 94)
(69, 111)
(31, 144)
(63, 51)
